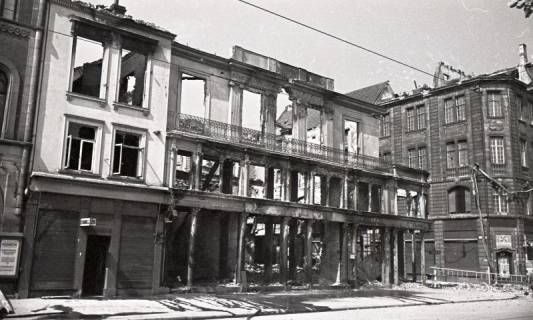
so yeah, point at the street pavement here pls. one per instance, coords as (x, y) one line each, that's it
(247, 305)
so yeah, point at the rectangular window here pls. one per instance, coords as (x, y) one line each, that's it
(523, 153)
(386, 157)
(500, 203)
(460, 105)
(81, 150)
(449, 111)
(411, 119)
(385, 125)
(133, 67)
(520, 108)
(530, 110)
(192, 95)
(422, 158)
(128, 154)
(462, 152)
(421, 117)
(351, 136)
(494, 100)
(450, 155)
(412, 158)
(497, 154)
(86, 77)
(8, 9)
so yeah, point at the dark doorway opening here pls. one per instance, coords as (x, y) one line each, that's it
(95, 265)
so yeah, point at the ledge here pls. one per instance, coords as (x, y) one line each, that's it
(74, 95)
(118, 105)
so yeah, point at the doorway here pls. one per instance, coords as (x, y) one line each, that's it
(504, 264)
(95, 265)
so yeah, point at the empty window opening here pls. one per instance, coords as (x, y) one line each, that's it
(87, 72)
(376, 198)
(278, 184)
(370, 242)
(362, 197)
(132, 77)
(283, 114)
(256, 182)
(297, 186)
(351, 194)
(8, 9)
(80, 147)
(210, 178)
(351, 136)
(192, 95)
(251, 110)
(183, 170)
(335, 192)
(317, 189)
(314, 127)
(128, 155)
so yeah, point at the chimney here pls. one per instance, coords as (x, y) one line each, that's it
(523, 75)
(116, 8)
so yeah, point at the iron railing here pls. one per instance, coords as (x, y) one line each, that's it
(235, 134)
(459, 172)
(457, 275)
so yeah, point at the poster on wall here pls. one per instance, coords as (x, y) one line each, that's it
(503, 241)
(9, 256)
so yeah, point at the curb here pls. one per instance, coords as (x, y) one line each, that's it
(228, 314)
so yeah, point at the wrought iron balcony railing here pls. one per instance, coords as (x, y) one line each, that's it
(235, 134)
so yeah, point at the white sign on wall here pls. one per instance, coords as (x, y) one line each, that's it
(504, 241)
(9, 255)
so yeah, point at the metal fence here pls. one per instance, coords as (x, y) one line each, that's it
(457, 275)
(235, 134)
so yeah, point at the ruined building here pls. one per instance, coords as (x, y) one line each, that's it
(158, 166)
(461, 122)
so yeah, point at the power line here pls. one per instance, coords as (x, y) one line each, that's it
(336, 38)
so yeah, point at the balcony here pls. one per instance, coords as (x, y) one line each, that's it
(224, 132)
(458, 172)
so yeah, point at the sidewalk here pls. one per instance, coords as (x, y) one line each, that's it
(202, 306)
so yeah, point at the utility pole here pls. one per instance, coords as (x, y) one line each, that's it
(485, 229)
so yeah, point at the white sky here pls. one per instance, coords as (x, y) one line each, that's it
(477, 36)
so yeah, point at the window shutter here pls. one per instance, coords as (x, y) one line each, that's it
(451, 202)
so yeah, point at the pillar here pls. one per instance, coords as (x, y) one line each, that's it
(192, 240)
(326, 191)
(299, 121)
(396, 256)
(284, 249)
(221, 175)
(421, 204)
(370, 197)
(394, 199)
(343, 261)
(268, 113)
(196, 168)
(413, 255)
(235, 110)
(309, 252)
(269, 182)
(355, 236)
(311, 185)
(158, 254)
(244, 178)
(385, 208)
(345, 192)
(284, 184)
(422, 258)
(386, 257)
(269, 231)
(79, 263)
(293, 258)
(355, 194)
(241, 248)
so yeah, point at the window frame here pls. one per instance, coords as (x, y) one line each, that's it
(523, 153)
(495, 106)
(453, 194)
(142, 148)
(96, 163)
(421, 117)
(495, 153)
(386, 125)
(499, 201)
(147, 79)
(411, 119)
(15, 10)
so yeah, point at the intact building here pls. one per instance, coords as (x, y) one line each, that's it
(20, 40)
(158, 167)
(462, 122)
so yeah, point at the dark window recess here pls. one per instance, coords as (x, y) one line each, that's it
(4, 83)
(459, 200)
(80, 147)
(127, 156)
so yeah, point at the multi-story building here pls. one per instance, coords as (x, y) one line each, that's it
(20, 41)
(461, 123)
(158, 166)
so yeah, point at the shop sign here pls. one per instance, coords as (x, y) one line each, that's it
(9, 256)
(504, 241)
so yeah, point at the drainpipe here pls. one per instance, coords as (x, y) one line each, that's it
(28, 136)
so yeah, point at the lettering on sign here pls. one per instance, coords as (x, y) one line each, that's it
(9, 254)
(503, 241)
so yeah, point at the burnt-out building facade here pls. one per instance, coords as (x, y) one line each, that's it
(461, 123)
(158, 166)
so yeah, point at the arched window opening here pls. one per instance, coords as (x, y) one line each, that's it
(459, 200)
(4, 89)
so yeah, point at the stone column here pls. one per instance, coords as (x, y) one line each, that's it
(356, 195)
(196, 169)
(284, 179)
(385, 200)
(293, 258)
(345, 192)
(244, 178)
(268, 113)
(387, 257)
(268, 249)
(396, 257)
(413, 255)
(299, 120)
(311, 185)
(355, 235)
(192, 240)
(242, 248)
(328, 182)
(269, 182)
(370, 197)
(343, 262)
(421, 203)
(394, 199)
(235, 110)
(422, 258)
(284, 249)
(309, 252)
(221, 181)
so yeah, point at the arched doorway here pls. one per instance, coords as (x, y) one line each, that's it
(504, 263)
